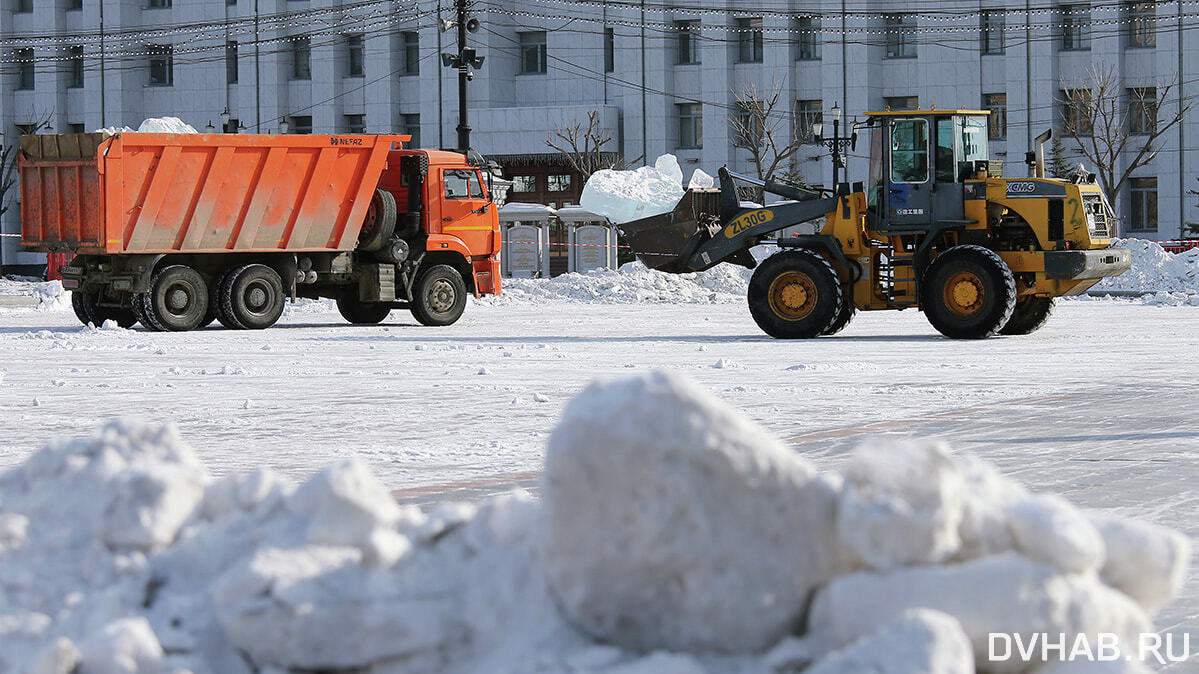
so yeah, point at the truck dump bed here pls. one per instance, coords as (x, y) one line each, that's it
(200, 193)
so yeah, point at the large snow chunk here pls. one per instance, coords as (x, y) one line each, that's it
(700, 180)
(1049, 529)
(166, 125)
(1004, 593)
(668, 165)
(675, 523)
(1144, 561)
(148, 506)
(345, 504)
(126, 646)
(622, 196)
(988, 498)
(901, 505)
(920, 641)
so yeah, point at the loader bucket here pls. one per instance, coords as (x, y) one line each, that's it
(665, 242)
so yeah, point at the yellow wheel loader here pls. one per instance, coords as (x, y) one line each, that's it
(934, 228)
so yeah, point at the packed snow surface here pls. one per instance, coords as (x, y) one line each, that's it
(673, 535)
(622, 196)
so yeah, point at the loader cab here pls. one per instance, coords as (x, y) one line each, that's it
(922, 163)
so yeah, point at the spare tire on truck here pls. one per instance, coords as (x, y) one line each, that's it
(380, 222)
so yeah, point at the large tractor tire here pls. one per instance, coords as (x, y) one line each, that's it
(795, 295)
(848, 310)
(439, 297)
(177, 300)
(88, 310)
(252, 297)
(968, 292)
(358, 312)
(380, 222)
(1030, 314)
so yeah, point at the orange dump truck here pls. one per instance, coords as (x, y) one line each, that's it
(174, 231)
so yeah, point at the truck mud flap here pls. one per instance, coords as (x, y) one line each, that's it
(1087, 264)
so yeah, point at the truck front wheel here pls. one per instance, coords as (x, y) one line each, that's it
(177, 300)
(252, 297)
(439, 297)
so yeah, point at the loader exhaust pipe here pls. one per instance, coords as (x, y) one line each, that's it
(1036, 159)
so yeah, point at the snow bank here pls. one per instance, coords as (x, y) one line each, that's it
(633, 283)
(668, 523)
(152, 125)
(622, 196)
(1154, 269)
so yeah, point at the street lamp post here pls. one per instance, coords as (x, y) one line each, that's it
(837, 144)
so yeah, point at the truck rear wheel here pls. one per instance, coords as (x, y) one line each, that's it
(795, 295)
(177, 300)
(358, 312)
(88, 310)
(1030, 314)
(218, 294)
(968, 292)
(439, 297)
(252, 297)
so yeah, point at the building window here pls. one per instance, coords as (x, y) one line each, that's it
(524, 184)
(992, 32)
(1142, 20)
(749, 40)
(301, 58)
(23, 6)
(74, 4)
(807, 40)
(76, 127)
(231, 62)
(609, 50)
(301, 124)
(688, 42)
(997, 120)
(902, 102)
(411, 127)
(74, 67)
(411, 53)
(1076, 111)
(1142, 110)
(1074, 27)
(532, 52)
(808, 112)
(162, 64)
(900, 30)
(354, 55)
(354, 123)
(158, 4)
(558, 182)
(691, 125)
(1142, 204)
(25, 76)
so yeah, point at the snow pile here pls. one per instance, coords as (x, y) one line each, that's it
(700, 181)
(668, 523)
(49, 294)
(622, 196)
(633, 283)
(1154, 270)
(152, 125)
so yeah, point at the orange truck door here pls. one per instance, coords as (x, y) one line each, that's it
(466, 210)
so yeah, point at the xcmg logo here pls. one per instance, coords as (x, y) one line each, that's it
(1021, 188)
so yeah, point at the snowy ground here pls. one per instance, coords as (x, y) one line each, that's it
(1096, 406)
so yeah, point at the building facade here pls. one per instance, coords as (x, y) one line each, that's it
(654, 77)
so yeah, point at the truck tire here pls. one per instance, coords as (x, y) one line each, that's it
(380, 222)
(252, 297)
(88, 311)
(218, 295)
(358, 312)
(1030, 314)
(795, 294)
(139, 310)
(968, 292)
(439, 297)
(177, 300)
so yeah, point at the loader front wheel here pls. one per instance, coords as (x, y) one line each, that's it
(795, 295)
(968, 292)
(1030, 314)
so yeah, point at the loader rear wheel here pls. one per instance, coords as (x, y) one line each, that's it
(795, 295)
(1030, 314)
(252, 297)
(358, 312)
(968, 292)
(439, 297)
(177, 300)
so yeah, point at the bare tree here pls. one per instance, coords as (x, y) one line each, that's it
(1109, 123)
(762, 129)
(9, 149)
(583, 146)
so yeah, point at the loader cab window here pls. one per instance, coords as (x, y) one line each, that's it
(463, 184)
(909, 151)
(876, 168)
(972, 137)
